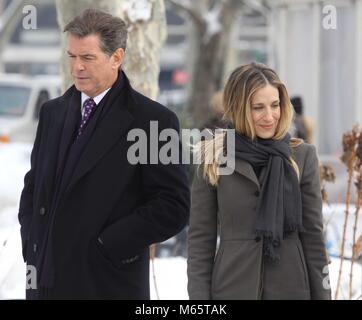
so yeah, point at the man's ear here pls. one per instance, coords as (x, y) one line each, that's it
(117, 57)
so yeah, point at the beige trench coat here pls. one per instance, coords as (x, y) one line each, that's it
(238, 270)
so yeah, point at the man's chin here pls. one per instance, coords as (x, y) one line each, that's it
(79, 87)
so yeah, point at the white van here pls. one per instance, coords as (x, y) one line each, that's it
(21, 98)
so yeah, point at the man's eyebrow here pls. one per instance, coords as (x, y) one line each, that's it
(88, 55)
(82, 55)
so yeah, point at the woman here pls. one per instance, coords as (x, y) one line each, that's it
(268, 211)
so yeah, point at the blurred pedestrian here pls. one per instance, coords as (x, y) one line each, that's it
(217, 112)
(302, 126)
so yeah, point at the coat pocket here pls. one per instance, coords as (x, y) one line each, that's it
(216, 269)
(99, 256)
(302, 261)
(119, 265)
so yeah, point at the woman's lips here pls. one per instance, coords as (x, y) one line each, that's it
(267, 127)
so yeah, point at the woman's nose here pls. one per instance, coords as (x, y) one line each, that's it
(268, 114)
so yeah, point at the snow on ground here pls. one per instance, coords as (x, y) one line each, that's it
(334, 218)
(344, 288)
(170, 273)
(12, 267)
(14, 163)
(171, 279)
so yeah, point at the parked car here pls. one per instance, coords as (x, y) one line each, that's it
(21, 98)
(172, 83)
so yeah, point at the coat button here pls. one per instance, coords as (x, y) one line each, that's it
(42, 211)
(257, 193)
(35, 247)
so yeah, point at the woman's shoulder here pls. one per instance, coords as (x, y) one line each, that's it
(301, 147)
(302, 151)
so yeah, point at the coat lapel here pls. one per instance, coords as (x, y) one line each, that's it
(59, 138)
(70, 124)
(245, 169)
(109, 130)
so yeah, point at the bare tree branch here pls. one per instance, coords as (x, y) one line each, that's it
(259, 6)
(186, 7)
(228, 7)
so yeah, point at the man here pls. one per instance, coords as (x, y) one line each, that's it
(87, 214)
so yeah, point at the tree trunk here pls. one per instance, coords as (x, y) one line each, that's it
(203, 83)
(10, 17)
(147, 33)
(146, 24)
(211, 59)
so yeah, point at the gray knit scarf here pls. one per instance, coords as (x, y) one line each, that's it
(279, 209)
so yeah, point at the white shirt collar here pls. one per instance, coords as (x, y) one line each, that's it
(96, 99)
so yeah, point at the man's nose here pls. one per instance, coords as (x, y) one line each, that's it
(78, 65)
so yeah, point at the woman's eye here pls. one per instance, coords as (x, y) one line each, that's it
(275, 106)
(257, 108)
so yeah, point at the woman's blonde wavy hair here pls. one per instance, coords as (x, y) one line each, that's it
(242, 84)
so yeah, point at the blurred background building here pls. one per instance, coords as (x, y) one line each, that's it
(323, 66)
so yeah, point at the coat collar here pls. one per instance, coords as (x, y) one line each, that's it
(244, 168)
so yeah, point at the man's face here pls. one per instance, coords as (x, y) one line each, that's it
(93, 71)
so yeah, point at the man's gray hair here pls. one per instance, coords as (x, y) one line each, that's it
(112, 30)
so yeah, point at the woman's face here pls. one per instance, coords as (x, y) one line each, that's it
(265, 111)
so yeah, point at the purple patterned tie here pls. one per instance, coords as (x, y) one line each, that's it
(89, 106)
